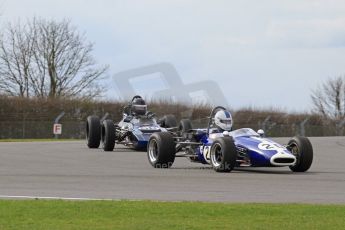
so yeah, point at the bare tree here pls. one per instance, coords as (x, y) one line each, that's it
(329, 98)
(16, 49)
(46, 58)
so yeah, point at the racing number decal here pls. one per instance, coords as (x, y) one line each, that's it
(270, 146)
(267, 146)
(206, 150)
(148, 128)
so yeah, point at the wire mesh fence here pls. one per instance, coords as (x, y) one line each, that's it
(76, 129)
(34, 118)
(287, 130)
(40, 129)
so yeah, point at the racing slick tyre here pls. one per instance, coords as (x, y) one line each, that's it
(108, 135)
(161, 150)
(185, 126)
(93, 132)
(303, 151)
(223, 154)
(169, 121)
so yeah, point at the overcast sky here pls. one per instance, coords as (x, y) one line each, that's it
(261, 53)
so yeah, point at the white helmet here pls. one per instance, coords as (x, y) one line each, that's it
(223, 120)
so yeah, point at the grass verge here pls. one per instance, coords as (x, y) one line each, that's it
(58, 214)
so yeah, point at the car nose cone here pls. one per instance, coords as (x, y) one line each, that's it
(283, 159)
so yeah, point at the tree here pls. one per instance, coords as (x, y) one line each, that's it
(47, 58)
(329, 98)
(16, 48)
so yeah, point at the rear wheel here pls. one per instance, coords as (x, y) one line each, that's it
(302, 149)
(169, 121)
(108, 135)
(93, 132)
(185, 126)
(161, 150)
(223, 154)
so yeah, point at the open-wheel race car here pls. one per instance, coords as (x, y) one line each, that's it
(134, 129)
(224, 148)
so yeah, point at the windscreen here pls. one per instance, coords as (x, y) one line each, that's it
(243, 132)
(142, 121)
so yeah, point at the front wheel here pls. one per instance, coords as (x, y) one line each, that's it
(93, 132)
(223, 154)
(108, 135)
(302, 149)
(161, 150)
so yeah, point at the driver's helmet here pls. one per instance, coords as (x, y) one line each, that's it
(139, 106)
(223, 120)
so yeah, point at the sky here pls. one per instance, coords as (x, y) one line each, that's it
(261, 54)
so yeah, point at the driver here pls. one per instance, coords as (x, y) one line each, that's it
(223, 120)
(137, 107)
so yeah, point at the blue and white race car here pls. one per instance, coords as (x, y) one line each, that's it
(134, 130)
(225, 149)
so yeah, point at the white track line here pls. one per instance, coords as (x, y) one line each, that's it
(49, 198)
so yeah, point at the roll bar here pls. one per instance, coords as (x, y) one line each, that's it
(135, 97)
(213, 112)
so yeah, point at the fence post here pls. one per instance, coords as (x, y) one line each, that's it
(23, 127)
(339, 125)
(57, 121)
(264, 123)
(302, 126)
(106, 115)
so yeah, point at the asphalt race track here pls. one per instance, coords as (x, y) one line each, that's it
(71, 170)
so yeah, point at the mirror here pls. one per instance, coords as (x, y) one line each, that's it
(261, 132)
(128, 119)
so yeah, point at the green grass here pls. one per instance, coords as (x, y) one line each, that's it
(57, 214)
(36, 140)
